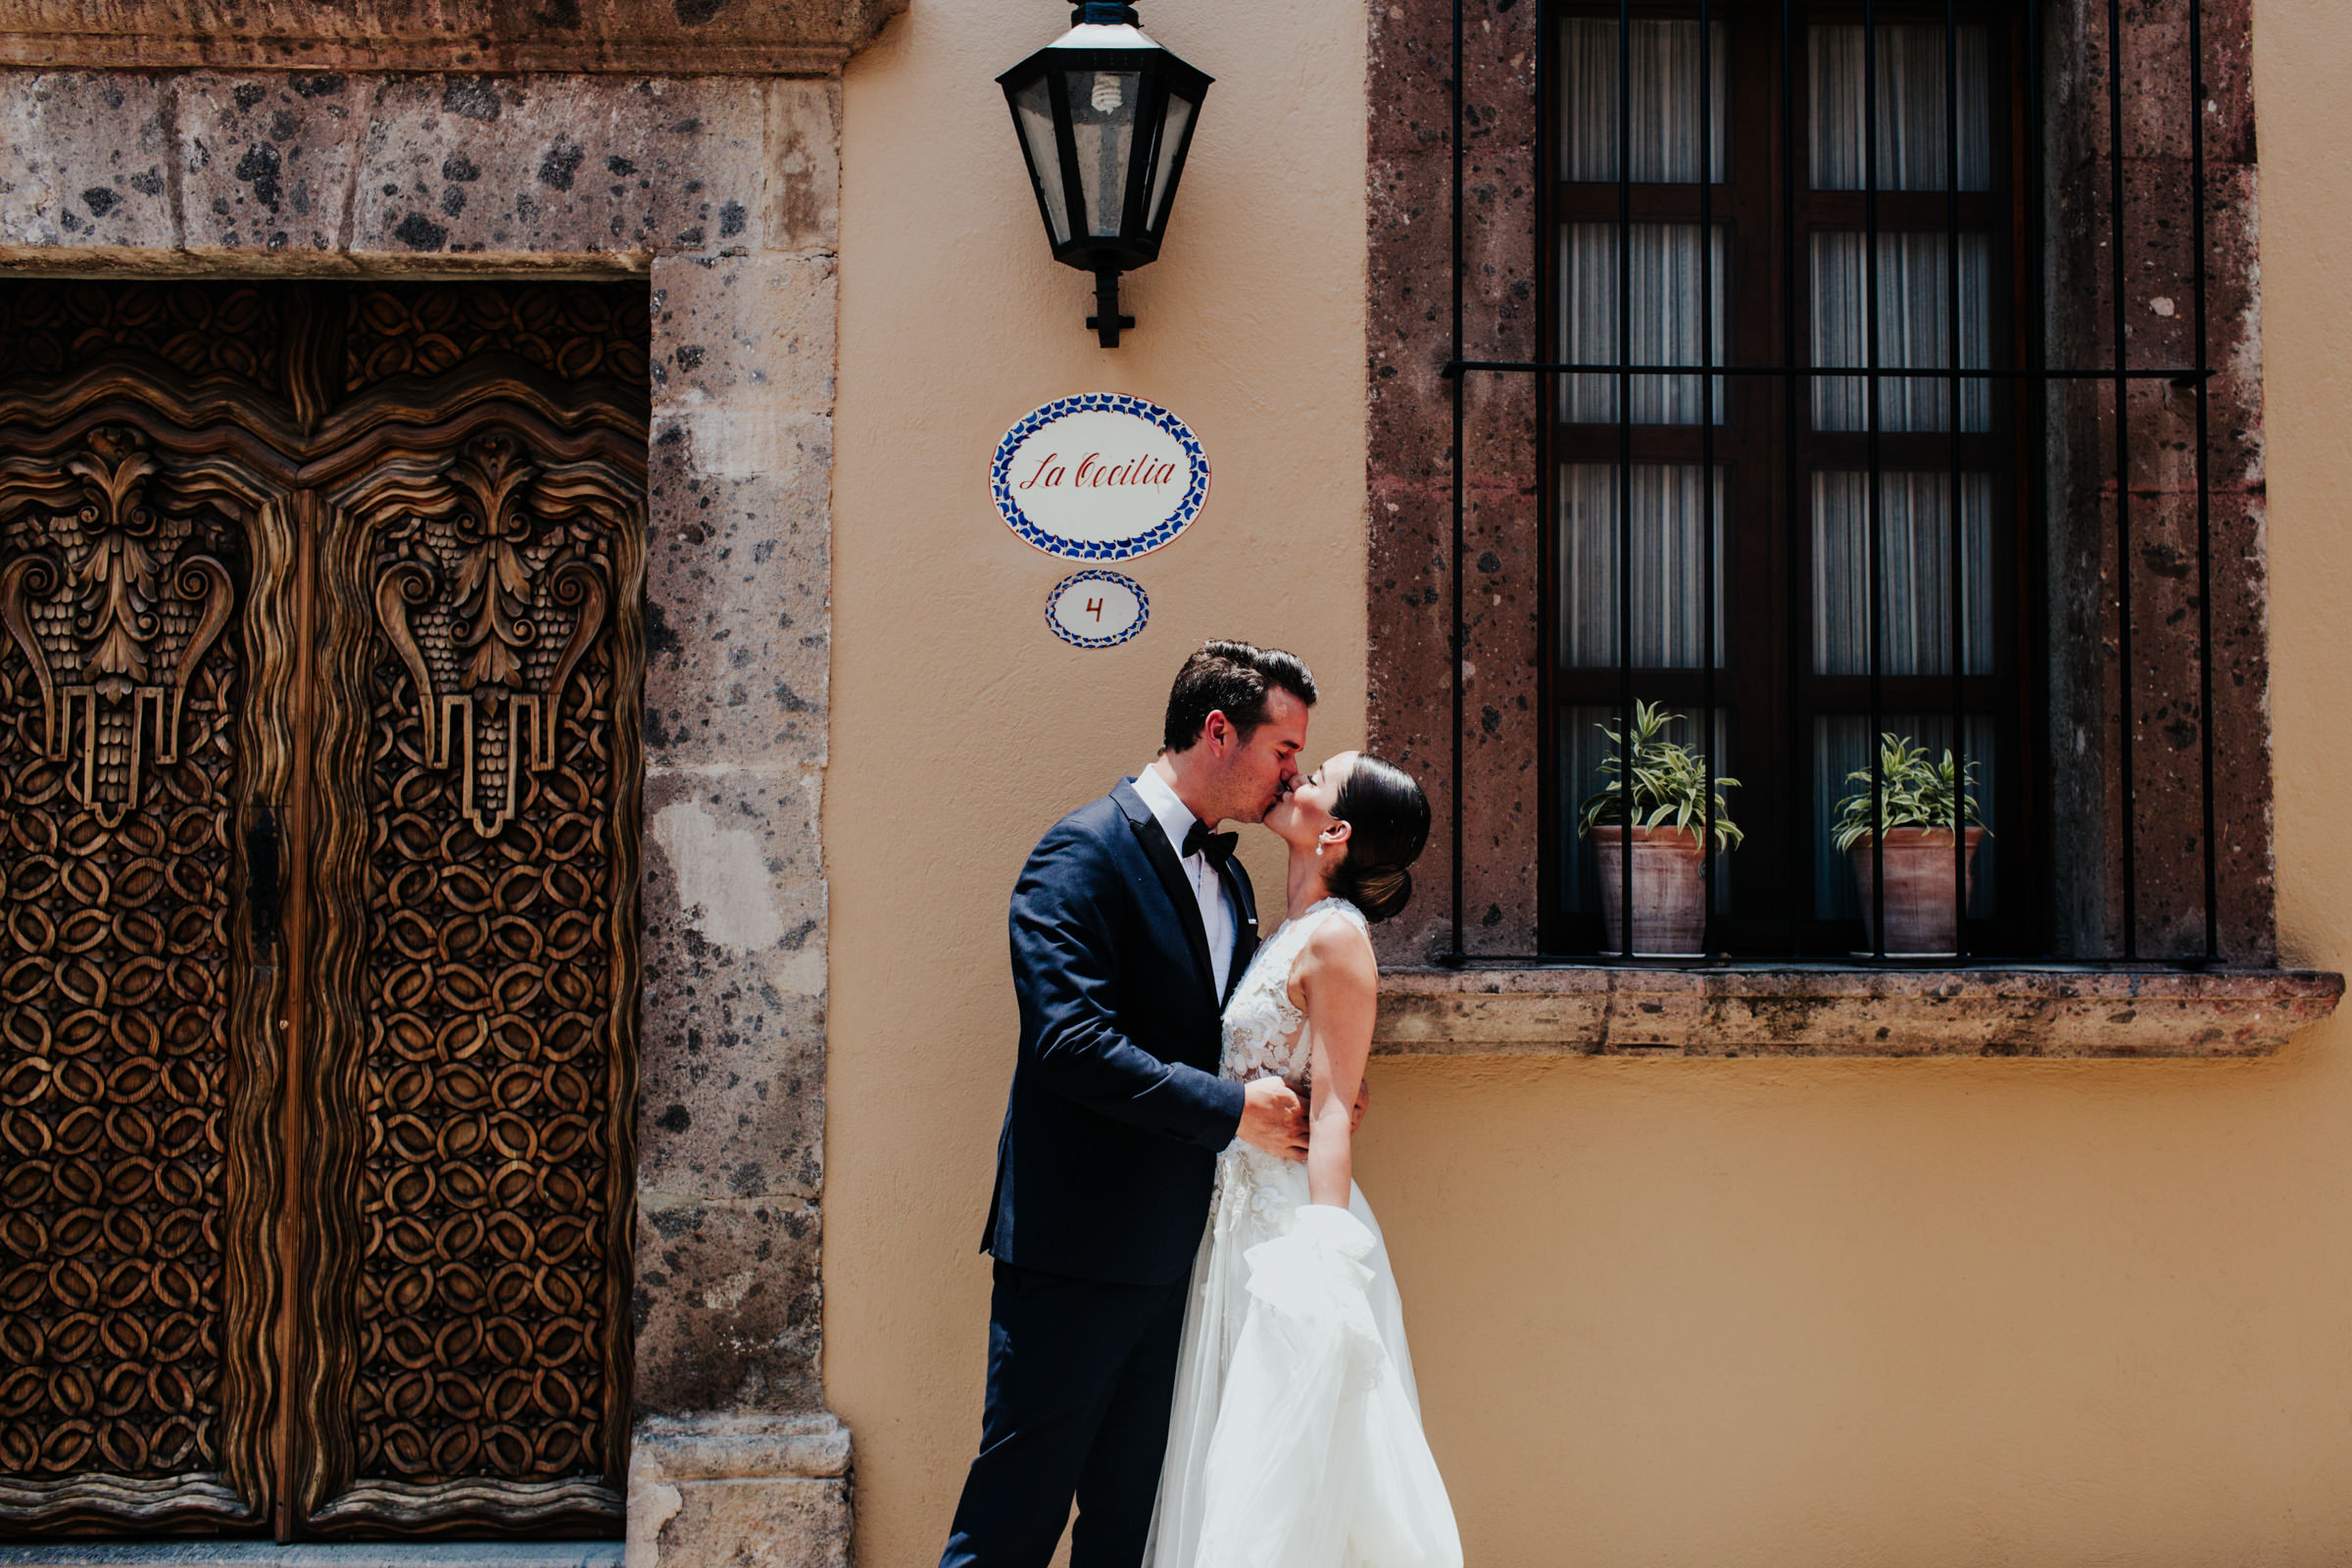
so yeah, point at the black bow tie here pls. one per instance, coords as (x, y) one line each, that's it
(1218, 847)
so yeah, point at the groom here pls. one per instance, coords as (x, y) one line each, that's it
(1130, 924)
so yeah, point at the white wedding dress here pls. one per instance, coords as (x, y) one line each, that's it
(1295, 1439)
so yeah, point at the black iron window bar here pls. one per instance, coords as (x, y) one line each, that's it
(2119, 374)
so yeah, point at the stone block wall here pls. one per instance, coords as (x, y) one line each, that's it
(1409, 460)
(721, 191)
(2172, 82)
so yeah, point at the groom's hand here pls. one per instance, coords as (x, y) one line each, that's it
(1273, 1118)
(1363, 1103)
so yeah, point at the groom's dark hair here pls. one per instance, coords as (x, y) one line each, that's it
(1231, 679)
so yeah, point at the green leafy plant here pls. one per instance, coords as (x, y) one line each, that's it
(1913, 792)
(1669, 779)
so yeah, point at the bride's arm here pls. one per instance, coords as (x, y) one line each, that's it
(1338, 985)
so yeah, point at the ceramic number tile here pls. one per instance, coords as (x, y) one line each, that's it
(1096, 609)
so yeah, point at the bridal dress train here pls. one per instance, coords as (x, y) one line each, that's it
(1296, 1436)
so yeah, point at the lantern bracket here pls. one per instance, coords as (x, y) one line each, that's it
(1106, 320)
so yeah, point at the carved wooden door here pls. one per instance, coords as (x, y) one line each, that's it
(320, 665)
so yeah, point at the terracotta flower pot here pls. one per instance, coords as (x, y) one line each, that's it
(1670, 891)
(1920, 906)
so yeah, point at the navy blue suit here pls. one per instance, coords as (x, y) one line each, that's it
(1104, 1173)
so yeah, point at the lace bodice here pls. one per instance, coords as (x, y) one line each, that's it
(1264, 1033)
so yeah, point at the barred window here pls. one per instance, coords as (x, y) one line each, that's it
(1871, 390)
(1749, 509)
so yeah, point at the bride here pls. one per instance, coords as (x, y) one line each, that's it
(1294, 1440)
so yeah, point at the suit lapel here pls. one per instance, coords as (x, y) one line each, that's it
(1163, 856)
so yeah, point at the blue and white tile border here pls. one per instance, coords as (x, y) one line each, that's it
(1196, 492)
(1142, 609)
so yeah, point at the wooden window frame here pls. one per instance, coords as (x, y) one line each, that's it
(1767, 452)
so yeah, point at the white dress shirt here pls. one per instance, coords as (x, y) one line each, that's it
(1218, 915)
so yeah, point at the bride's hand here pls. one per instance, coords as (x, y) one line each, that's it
(1272, 1118)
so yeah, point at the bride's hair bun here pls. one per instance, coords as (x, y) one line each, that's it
(1387, 822)
(1381, 894)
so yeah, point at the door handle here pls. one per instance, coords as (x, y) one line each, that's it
(262, 877)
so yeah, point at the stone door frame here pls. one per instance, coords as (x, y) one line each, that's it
(721, 191)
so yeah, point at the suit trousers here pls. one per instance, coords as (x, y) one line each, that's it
(1081, 1374)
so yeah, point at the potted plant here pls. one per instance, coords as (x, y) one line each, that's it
(1670, 818)
(1915, 832)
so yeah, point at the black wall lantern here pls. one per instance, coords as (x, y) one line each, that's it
(1105, 117)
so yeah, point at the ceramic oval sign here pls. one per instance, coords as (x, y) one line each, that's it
(1098, 477)
(1096, 609)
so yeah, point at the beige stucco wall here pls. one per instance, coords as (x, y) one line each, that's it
(1665, 1312)
(963, 727)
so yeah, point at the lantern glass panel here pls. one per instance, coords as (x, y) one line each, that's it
(1103, 106)
(1036, 111)
(1171, 138)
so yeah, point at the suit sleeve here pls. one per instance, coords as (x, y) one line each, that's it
(1065, 965)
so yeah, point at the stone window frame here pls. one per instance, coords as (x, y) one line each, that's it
(1450, 1000)
(216, 141)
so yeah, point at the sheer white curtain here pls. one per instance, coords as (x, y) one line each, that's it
(1668, 506)
(1915, 576)
(1663, 274)
(1914, 307)
(1662, 319)
(1913, 152)
(1662, 64)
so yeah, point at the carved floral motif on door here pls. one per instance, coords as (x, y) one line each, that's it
(318, 780)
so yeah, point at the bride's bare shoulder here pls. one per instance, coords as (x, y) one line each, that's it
(1340, 950)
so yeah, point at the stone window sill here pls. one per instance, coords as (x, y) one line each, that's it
(1826, 1009)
